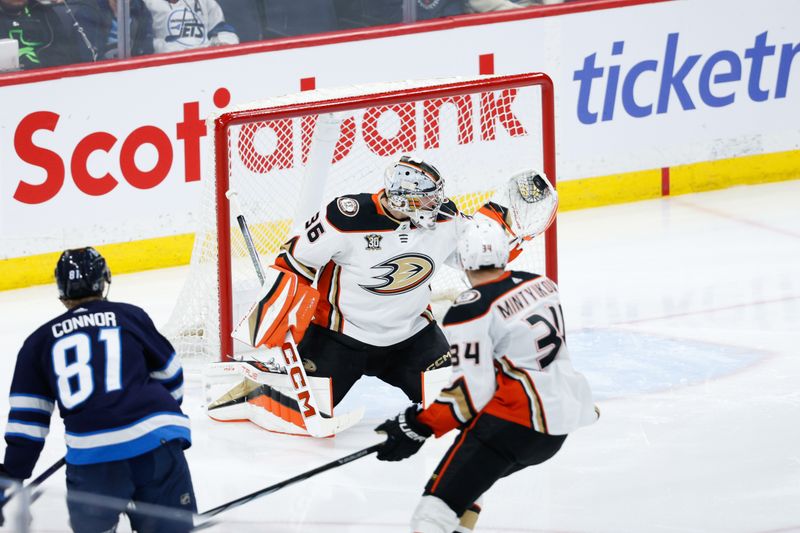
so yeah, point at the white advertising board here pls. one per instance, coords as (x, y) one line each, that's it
(115, 156)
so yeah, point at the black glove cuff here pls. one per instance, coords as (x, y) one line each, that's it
(416, 426)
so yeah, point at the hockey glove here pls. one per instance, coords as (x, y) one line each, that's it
(284, 304)
(4, 480)
(405, 435)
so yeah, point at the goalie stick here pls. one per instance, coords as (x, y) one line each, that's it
(285, 483)
(316, 425)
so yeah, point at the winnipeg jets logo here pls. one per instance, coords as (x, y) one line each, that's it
(373, 241)
(403, 273)
(185, 27)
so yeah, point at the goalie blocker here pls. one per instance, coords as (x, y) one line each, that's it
(284, 305)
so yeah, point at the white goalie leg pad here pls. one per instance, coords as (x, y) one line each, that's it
(432, 515)
(251, 391)
(433, 381)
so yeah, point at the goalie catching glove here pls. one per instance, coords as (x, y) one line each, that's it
(525, 206)
(405, 435)
(284, 304)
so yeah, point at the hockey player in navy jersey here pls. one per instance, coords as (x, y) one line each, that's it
(513, 392)
(118, 385)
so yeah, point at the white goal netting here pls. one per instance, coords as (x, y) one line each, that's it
(289, 155)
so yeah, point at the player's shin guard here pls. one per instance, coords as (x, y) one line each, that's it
(432, 515)
(469, 518)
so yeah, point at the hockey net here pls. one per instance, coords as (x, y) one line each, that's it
(288, 156)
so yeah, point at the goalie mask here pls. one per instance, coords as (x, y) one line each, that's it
(416, 189)
(80, 273)
(482, 244)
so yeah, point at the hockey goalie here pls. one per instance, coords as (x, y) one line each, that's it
(352, 290)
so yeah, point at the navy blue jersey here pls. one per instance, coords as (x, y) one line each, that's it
(116, 379)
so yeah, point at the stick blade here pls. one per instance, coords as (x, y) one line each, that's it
(328, 427)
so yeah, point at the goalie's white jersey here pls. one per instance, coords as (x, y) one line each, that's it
(374, 272)
(510, 360)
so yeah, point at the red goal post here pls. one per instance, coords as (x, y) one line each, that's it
(263, 147)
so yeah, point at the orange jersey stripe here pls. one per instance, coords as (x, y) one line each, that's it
(516, 398)
(439, 417)
(322, 316)
(328, 315)
(452, 453)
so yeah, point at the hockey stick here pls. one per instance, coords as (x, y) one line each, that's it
(282, 484)
(316, 425)
(38, 480)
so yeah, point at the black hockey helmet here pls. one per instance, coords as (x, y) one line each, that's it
(81, 272)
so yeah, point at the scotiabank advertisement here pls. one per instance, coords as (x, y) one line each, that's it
(118, 156)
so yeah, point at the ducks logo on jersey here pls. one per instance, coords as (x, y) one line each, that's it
(403, 273)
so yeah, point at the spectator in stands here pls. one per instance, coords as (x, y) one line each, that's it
(186, 24)
(247, 16)
(45, 37)
(379, 12)
(432, 9)
(299, 17)
(428, 9)
(99, 20)
(483, 6)
(360, 13)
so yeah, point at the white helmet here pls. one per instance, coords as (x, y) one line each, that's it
(482, 243)
(416, 189)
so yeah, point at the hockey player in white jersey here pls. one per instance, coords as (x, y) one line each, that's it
(513, 393)
(372, 257)
(186, 24)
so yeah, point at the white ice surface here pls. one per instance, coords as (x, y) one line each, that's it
(684, 313)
